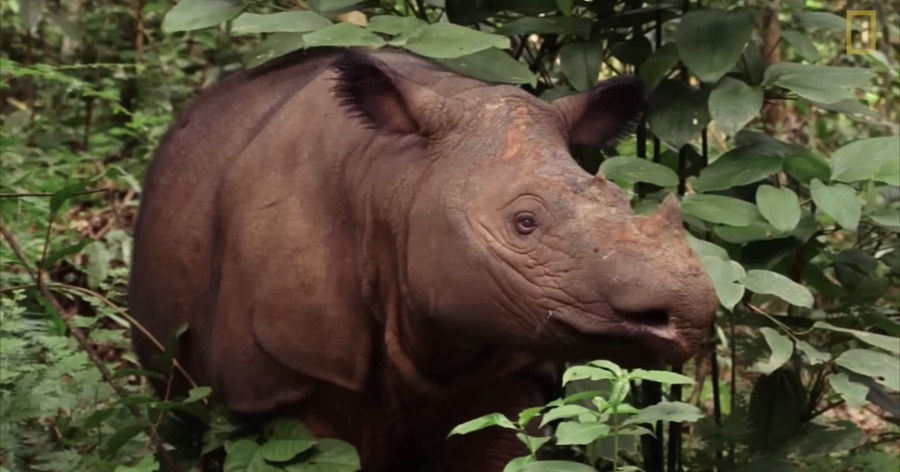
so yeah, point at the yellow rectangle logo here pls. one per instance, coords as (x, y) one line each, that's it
(865, 36)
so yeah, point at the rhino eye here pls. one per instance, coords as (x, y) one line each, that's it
(525, 223)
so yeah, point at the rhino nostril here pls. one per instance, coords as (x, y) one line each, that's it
(657, 318)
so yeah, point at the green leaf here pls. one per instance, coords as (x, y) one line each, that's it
(533, 443)
(482, 422)
(773, 283)
(527, 414)
(547, 25)
(888, 219)
(518, 463)
(779, 206)
(885, 369)
(582, 372)
(446, 40)
(239, 455)
(658, 65)
(888, 343)
(633, 169)
(276, 45)
(711, 41)
(759, 230)
(330, 455)
(62, 195)
(782, 348)
(666, 411)
(853, 393)
(661, 376)
(720, 209)
(677, 112)
(813, 355)
(342, 35)
(147, 464)
(288, 439)
(573, 433)
(198, 393)
(491, 65)
(556, 466)
(705, 248)
(394, 25)
(740, 166)
(188, 15)
(732, 104)
(281, 22)
(62, 253)
(824, 84)
(635, 50)
(820, 20)
(889, 172)
(580, 64)
(566, 411)
(838, 201)
(802, 44)
(861, 160)
(807, 166)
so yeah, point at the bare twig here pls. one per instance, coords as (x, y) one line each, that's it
(84, 192)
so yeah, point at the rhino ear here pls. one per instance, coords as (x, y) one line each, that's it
(610, 110)
(368, 90)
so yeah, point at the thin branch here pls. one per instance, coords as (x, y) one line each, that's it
(86, 346)
(85, 192)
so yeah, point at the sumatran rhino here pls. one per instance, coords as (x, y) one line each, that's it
(383, 249)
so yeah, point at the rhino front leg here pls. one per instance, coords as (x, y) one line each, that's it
(491, 449)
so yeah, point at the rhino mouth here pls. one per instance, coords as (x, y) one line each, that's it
(630, 340)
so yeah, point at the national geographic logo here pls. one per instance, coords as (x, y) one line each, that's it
(860, 31)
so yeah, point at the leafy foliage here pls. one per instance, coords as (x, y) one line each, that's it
(784, 152)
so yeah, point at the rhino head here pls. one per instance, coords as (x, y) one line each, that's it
(508, 241)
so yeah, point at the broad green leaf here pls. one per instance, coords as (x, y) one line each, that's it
(64, 252)
(635, 50)
(781, 347)
(759, 230)
(802, 44)
(838, 201)
(581, 372)
(491, 65)
(884, 368)
(826, 84)
(889, 172)
(720, 209)
(60, 196)
(711, 41)
(330, 455)
(853, 393)
(240, 455)
(861, 160)
(565, 6)
(677, 112)
(189, 15)
(533, 443)
(740, 166)
(281, 22)
(580, 63)
(888, 343)
(547, 25)
(725, 275)
(608, 365)
(779, 206)
(655, 68)
(556, 466)
(820, 20)
(573, 433)
(276, 45)
(705, 248)
(288, 438)
(633, 169)
(666, 411)
(888, 219)
(773, 283)
(566, 411)
(732, 104)
(518, 463)
(806, 166)
(394, 25)
(198, 393)
(342, 35)
(813, 355)
(446, 40)
(661, 376)
(486, 421)
(147, 464)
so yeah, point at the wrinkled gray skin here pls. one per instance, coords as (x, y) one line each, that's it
(384, 249)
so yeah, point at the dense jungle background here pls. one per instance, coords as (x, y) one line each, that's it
(780, 137)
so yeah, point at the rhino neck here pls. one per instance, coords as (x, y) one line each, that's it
(418, 356)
